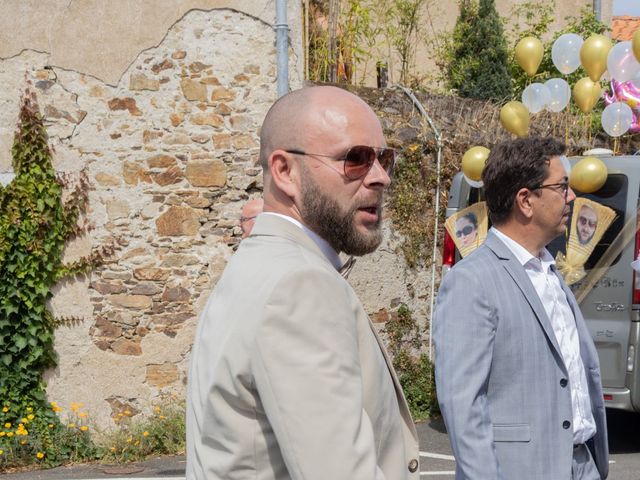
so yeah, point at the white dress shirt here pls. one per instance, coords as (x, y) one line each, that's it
(547, 285)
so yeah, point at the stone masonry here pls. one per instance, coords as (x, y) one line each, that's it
(171, 154)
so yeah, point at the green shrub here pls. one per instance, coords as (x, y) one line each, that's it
(475, 56)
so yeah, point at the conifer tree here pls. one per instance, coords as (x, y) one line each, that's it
(478, 61)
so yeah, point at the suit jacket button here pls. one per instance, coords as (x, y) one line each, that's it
(563, 382)
(566, 424)
(413, 465)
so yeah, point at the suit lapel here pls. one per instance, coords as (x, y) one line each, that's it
(587, 350)
(521, 279)
(272, 225)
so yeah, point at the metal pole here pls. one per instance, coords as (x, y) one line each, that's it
(282, 47)
(439, 144)
(597, 9)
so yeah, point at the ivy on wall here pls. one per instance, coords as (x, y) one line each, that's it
(36, 221)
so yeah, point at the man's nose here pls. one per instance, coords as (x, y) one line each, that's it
(377, 175)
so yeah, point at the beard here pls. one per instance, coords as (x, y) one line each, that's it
(324, 216)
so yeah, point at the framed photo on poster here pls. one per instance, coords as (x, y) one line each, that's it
(468, 227)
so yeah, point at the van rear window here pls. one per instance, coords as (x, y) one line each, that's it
(613, 194)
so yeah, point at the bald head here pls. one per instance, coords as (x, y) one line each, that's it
(297, 115)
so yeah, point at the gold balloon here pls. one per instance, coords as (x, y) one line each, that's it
(586, 94)
(593, 55)
(588, 175)
(514, 116)
(529, 53)
(473, 162)
(635, 44)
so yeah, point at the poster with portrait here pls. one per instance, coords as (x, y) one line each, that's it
(589, 221)
(468, 227)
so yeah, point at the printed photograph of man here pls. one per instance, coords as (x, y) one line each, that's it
(467, 229)
(586, 224)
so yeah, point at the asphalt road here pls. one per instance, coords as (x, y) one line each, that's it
(624, 448)
(437, 462)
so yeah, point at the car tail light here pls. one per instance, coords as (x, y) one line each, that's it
(636, 275)
(449, 252)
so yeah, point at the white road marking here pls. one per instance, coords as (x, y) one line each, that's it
(438, 456)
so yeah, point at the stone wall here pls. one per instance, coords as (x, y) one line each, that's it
(169, 142)
(170, 151)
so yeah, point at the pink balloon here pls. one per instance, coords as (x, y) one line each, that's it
(628, 93)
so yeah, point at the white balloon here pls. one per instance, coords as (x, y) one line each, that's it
(565, 52)
(473, 183)
(622, 63)
(535, 97)
(560, 94)
(617, 118)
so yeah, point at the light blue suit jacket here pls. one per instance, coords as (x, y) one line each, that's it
(501, 381)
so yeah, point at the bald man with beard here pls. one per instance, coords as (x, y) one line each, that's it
(288, 378)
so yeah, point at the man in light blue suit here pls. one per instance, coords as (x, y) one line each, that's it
(517, 372)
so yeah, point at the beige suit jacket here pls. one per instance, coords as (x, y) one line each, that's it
(288, 379)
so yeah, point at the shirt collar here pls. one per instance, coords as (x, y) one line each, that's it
(322, 244)
(522, 254)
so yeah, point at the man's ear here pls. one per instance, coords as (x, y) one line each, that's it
(523, 202)
(284, 171)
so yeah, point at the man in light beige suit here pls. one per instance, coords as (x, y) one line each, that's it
(288, 379)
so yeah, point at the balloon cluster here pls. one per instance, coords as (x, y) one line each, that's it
(596, 55)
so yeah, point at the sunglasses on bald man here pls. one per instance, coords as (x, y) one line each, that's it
(359, 159)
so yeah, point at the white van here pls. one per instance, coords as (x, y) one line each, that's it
(612, 307)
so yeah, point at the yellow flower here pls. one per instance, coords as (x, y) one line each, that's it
(84, 428)
(82, 414)
(113, 449)
(53, 404)
(7, 425)
(39, 455)
(29, 409)
(31, 416)
(157, 409)
(75, 406)
(5, 409)
(2, 434)
(23, 442)
(1, 451)
(137, 442)
(51, 425)
(145, 434)
(9, 434)
(24, 420)
(162, 417)
(129, 440)
(127, 412)
(72, 425)
(121, 414)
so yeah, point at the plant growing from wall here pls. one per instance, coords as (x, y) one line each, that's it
(475, 57)
(35, 224)
(415, 371)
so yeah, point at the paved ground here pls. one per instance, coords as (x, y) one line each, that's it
(436, 457)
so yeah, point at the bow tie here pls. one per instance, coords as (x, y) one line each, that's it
(345, 269)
